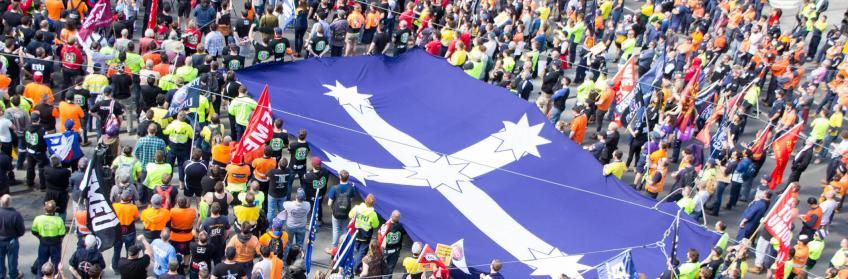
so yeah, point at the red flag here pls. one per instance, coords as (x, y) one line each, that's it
(778, 223)
(759, 146)
(384, 230)
(100, 16)
(782, 150)
(623, 83)
(259, 129)
(154, 8)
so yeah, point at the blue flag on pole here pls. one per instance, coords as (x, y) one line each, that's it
(651, 78)
(450, 152)
(618, 267)
(65, 145)
(313, 229)
(187, 96)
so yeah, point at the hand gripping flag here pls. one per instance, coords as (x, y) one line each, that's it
(101, 218)
(313, 229)
(399, 137)
(65, 145)
(259, 129)
(758, 148)
(783, 147)
(778, 223)
(100, 16)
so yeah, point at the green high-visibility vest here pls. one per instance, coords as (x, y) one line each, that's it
(48, 226)
(689, 270)
(815, 249)
(722, 242)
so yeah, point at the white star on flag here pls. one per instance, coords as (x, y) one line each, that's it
(555, 264)
(349, 96)
(521, 138)
(440, 172)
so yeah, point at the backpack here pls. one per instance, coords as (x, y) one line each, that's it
(750, 172)
(165, 194)
(342, 204)
(125, 168)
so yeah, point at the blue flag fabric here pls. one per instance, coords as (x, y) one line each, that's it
(651, 78)
(65, 145)
(705, 99)
(187, 96)
(313, 229)
(344, 256)
(462, 159)
(618, 267)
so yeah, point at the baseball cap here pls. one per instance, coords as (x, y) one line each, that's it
(38, 76)
(277, 227)
(278, 31)
(316, 161)
(766, 177)
(416, 248)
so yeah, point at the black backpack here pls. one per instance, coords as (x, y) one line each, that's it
(342, 204)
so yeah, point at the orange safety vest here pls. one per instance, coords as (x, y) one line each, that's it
(82, 221)
(817, 212)
(657, 188)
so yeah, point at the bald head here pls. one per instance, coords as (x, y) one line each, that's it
(5, 201)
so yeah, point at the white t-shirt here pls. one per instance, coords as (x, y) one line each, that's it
(5, 130)
(827, 211)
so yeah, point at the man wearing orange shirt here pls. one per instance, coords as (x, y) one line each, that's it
(578, 125)
(35, 89)
(355, 21)
(237, 175)
(182, 222)
(221, 152)
(603, 105)
(261, 166)
(69, 110)
(127, 214)
(54, 9)
(154, 218)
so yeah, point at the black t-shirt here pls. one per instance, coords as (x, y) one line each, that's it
(279, 47)
(48, 36)
(57, 179)
(380, 41)
(318, 45)
(102, 107)
(298, 151)
(194, 172)
(394, 238)
(279, 142)
(201, 256)
(242, 27)
(12, 19)
(38, 65)
(401, 39)
(34, 138)
(35, 44)
(216, 228)
(279, 181)
(80, 97)
(148, 96)
(317, 179)
(47, 119)
(207, 184)
(225, 270)
(121, 83)
(135, 268)
(233, 62)
(263, 52)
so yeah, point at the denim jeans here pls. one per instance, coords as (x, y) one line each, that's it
(9, 250)
(296, 236)
(825, 151)
(47, 252)
(338, 227)
(275, 206)
(360, 248)
(735, 188)
(748, 190)
(719, 194)
(126, 240)
(555, 114)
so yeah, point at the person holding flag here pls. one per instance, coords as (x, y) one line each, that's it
(391, 241)
(366, 221)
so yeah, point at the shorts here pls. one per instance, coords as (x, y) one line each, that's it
(183, 248)
(351, 38)
(193, 192)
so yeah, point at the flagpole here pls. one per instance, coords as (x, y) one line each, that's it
(762, 224)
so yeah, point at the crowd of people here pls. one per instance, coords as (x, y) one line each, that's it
(202, 215)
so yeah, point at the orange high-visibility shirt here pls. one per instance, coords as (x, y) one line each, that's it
(155, 219)
(182, 221)
(126, 212)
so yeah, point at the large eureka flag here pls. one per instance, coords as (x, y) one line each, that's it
(465, 160)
